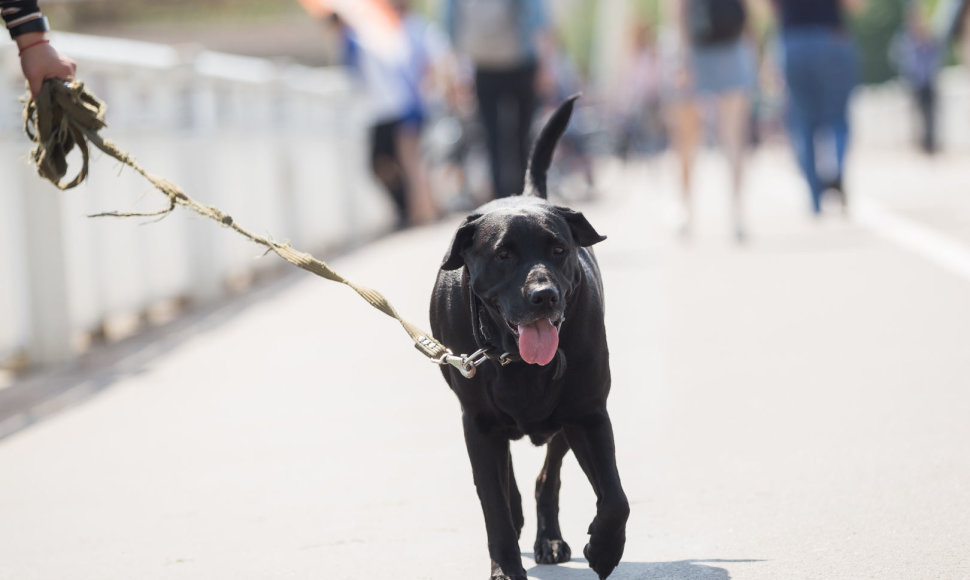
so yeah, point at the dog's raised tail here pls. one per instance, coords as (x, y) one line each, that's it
(545, 146)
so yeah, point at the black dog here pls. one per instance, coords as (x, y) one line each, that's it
(520, 282)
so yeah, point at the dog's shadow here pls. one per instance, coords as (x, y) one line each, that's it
(682, 570)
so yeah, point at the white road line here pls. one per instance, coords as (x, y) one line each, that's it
(942, 250)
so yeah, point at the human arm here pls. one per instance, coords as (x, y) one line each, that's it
(38, 59)
(546, 56)
(441, 69)
(678, 14)
(544, 45)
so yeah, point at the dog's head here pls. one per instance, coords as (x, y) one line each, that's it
(523, 266)
(522, 256)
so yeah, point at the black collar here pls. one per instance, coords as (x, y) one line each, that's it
(483, 337)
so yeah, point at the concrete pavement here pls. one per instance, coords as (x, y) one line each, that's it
(793, 408)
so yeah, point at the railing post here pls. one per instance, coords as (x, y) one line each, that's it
(51, 330)
(201, 121)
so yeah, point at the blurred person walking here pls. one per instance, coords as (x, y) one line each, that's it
(716, 62)
(917, 54)
(820, 66)
(507, 43)
(39, 60)
(637, 99)
(395, 82)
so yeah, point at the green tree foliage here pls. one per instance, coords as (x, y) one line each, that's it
(874, 30)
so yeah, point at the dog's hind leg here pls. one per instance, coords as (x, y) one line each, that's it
(550, 548)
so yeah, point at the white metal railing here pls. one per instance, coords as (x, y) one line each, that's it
(280, 147)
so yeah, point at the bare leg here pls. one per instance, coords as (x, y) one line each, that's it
(420, 203)
(734, 110)
(685, 132)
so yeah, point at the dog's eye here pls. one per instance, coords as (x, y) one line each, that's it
(502, 255)
(558, 250)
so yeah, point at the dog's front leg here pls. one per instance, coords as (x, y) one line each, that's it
(490, 459)
(592, 443)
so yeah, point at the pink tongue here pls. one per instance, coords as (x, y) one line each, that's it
(538, 342)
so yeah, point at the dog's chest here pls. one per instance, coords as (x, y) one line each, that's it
(527, 399)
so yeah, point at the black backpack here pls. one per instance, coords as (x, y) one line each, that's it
(715, 21)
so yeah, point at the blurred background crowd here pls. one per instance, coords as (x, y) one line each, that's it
(452, 105)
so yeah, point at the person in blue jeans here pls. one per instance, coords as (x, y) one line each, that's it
(821, 70)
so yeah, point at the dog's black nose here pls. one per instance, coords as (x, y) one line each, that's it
(544, 295)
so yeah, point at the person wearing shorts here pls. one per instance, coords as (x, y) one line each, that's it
(725, 74)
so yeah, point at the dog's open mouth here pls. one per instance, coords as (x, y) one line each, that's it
(538, 340)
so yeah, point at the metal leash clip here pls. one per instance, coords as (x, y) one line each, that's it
(467, 365)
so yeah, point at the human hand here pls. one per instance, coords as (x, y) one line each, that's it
(684, 78)
(546, 86)
(458, 96)
(39, 61)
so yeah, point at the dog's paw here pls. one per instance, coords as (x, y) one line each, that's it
(499, 574)
(604, 554)
(549, 551)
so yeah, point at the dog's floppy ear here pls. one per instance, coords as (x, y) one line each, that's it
(463, 239)
(545, 146)
(583, 232)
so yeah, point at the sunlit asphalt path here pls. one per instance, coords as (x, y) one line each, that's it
(796, 407)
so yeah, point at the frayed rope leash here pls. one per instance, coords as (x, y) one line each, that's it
(65, 115)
